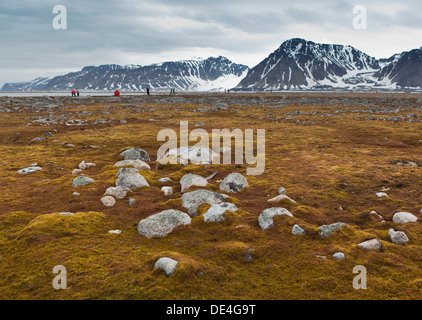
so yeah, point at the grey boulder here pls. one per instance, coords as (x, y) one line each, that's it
(266, 218)
(131, 180)
(137, 164)
(325, 230)
(297, 230)
(233, 183)
(373, 244)
(117, 192)
(135, 154)
(168, 265)
(215, 213)
(29, 170)
(82, 181)
(404, 217)
(192, 200)
(339, 255)
(398, 237)
(189, 180)
(161, 224)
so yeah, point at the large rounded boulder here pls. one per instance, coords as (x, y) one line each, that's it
(234, 183)
(161, 224)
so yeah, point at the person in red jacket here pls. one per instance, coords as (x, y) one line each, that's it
(117, 93)
(73, 93)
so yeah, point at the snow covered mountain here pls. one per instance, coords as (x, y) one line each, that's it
(188, 75)
(304, 65)
(34, 85)
(404, 70)
(297, 64)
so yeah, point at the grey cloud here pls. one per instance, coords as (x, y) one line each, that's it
(99, 31)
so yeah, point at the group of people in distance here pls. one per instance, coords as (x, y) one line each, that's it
(75, 93)
(117, 92)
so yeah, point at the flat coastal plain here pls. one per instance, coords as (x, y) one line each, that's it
(353, 158)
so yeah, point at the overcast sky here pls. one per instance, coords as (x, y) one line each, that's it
(144, 32)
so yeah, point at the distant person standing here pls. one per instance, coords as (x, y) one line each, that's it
(77, 92)
(117, 93)
(73, 93)
(148, 91)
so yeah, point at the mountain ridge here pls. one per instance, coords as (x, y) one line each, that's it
(214, 73)
(297, 64)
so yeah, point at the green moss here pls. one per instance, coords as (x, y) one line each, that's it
(55, 225)
(323, 166)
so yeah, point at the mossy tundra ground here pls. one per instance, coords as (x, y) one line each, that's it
(332, 152)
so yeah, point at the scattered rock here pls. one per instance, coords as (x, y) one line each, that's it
(404, 217)
(131, 180)
(398, 237)
(108, 201)
(212, 175)
(282, 190)
(123, 171)
(192, 200)
(82, 181)
(298, 230)
(161, 224)
(405, 163)
(115, 231)
(86, 165)
(339, 255)
(220, 107)
(168, 191)
(66, 213)
(248, 256)
(76, 194)
(382, 194)
(137, 164)
(132, 201)
(168, 265)
(265, 219)
(376, 214)
(29, 170)
(233, 183)
(325, 230)
(38, 139)
(196, 155)
(163, 180)
(117, 192)
(135, 154)
(373, 244)
(281, 197)
(189, 180)
(215, 213)
(77, 171)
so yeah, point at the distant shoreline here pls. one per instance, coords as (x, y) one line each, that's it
(134, 93)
